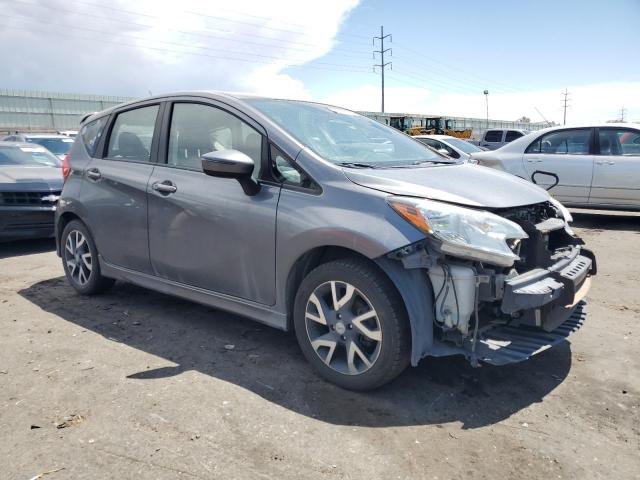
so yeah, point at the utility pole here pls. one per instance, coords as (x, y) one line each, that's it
(566, 99)
(622, 112)
(486, 97)
(382, 65)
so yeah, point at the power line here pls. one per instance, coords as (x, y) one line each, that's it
(382, 65)
(347, 68)
(178, 44)
(566, 105)
(288, 44)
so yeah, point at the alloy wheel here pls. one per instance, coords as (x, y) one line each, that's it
(77, 256)
(343, 327)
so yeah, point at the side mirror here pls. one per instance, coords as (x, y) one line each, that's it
(231, 164)
(443, 151)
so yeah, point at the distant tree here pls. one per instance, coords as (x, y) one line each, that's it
(524, 119)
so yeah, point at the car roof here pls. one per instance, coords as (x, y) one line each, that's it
(230, 98)
(438, 137)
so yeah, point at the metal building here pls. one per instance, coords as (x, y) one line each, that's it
(24, 110)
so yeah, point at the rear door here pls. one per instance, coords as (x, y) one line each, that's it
(565, 153)
(616, 174)
(492, 139)
(115, 188)
(206, 232)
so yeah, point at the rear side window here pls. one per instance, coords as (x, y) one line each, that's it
(493, 136)
(132, 134)
(91, 134)
(619, 141)
(512, 135)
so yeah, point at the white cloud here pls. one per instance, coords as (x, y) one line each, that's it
(131, 48)
(589, 103)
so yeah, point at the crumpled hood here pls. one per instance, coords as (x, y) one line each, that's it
(465, 184)
(27, 178)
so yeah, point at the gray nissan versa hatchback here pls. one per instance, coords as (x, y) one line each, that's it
(376, 250)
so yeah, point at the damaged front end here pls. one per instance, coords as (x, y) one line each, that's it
(506, 284)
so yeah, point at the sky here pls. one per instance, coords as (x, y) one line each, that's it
(443, 54)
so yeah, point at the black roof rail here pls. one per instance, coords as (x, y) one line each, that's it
(86, 116)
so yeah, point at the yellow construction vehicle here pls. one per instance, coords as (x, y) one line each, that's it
(445, 126)
(413, 131)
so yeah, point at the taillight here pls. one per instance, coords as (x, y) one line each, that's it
(66, 168)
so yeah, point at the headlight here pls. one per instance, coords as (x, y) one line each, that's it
(566, 214)
(466, 233)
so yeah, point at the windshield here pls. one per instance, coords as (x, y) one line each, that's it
(466, 147)
(30, 156)
(57, 146)
(344, 137)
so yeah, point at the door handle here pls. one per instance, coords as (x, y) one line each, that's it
(164, 187)
(534, 160)
(94, 174)
(605, 162)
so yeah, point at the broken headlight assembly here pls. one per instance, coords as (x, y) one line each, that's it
(463, 232)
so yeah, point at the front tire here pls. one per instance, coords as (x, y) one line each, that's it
(80, 260)
(351, 324)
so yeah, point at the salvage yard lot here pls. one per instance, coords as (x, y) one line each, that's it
(136, 384)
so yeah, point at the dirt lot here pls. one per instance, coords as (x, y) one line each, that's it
(134, 384)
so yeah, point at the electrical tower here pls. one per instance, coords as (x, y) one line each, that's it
(566, 105)
(382, 65)
(622, 112)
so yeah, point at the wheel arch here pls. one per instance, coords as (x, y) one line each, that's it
(61, 222)
(412, 285)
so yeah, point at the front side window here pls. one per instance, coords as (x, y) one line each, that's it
(512, 135)
(91, 133)
(197, 129)
(343, 137)
(493, 136)
(619, 141)
(132, 134)
(572, 142)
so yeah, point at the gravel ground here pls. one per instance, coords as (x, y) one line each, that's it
(135, 384)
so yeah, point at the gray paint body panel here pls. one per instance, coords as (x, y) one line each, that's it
(350, 211)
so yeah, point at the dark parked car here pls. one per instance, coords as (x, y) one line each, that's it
(30, 184)
(376, 250)
(57, 144)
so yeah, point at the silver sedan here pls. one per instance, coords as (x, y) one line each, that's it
(592, 166)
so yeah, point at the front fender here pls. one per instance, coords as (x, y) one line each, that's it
(417, 293)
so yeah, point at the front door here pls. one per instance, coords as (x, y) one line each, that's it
(205, 231)
(566, 153)
(115, 194)
(616, 174)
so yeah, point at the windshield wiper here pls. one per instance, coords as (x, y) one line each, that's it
(356, 165)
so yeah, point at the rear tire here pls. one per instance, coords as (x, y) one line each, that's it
(80, 260)
(351, 324)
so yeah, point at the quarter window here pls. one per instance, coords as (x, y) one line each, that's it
(197, 129)
(91, 133)
(285, 170)
(132, 134)
(563, 142)
(619, 141)
(512, 135)
(493, 136)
